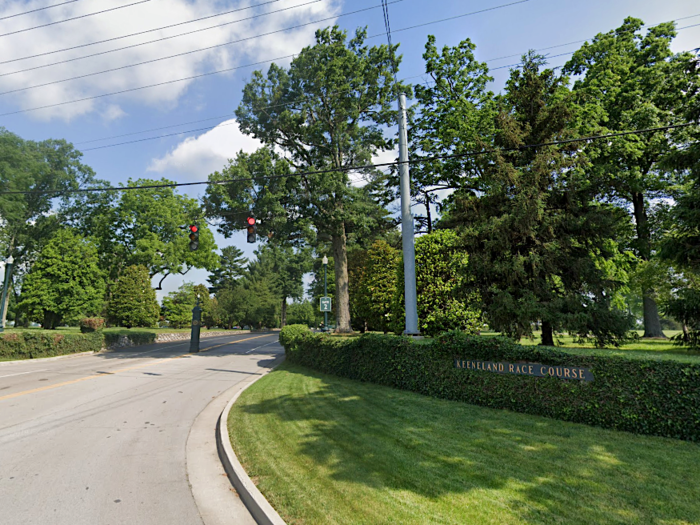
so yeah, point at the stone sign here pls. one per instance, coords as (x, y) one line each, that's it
(527, 369)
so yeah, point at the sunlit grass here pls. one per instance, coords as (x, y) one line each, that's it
(330, 450)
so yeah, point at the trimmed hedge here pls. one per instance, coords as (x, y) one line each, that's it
(30, 345)
(642, 396)
(136, 337)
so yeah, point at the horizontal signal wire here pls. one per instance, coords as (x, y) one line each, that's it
(362, 167)
(253, 37)
(107, 52)
(38, 9)
(75, 18)
(136, 34)
(143, 87)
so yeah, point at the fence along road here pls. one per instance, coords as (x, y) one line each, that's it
(101, 438)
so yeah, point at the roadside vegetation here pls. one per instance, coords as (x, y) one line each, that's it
(329, 450)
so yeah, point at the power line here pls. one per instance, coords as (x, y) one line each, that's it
(38, 9)
(135, 34)
(253, 37)
(229, 115)
(75, 59)
(361, 167)
(74, 18)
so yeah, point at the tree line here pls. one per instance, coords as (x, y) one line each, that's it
(549, 231)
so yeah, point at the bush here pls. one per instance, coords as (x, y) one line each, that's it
(91, 324)
(291, 333)
(33, 344)
(136, 337)
(647, 397)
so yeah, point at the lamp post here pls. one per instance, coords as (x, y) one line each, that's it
(5, 289)
(325, 292)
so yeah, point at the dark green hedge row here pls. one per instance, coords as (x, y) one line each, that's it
(137, 338)
(647, 397)
(30, 345)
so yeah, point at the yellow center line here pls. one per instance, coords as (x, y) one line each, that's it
(157, 362)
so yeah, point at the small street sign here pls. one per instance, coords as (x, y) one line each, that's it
(325, 304)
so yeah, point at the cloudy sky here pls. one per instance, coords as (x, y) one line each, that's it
(101, 59)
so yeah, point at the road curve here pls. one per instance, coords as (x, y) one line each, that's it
(102, 438)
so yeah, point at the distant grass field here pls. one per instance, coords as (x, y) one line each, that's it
(329, 450)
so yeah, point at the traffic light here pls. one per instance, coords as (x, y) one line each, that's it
(194, 236)
(252, 228)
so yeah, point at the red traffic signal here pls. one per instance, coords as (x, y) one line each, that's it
(194, 237)
(252, 229)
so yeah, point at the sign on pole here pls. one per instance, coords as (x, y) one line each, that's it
(325, 304)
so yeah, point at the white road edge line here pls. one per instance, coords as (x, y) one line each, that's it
(249, 351)
(22, 373)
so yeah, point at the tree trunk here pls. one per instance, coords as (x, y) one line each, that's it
(342, 295)
(283, 315)
(547, 334)
(652, 323)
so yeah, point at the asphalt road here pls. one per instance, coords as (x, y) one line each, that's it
(101, 439)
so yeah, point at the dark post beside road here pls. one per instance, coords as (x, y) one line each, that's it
(196, 323)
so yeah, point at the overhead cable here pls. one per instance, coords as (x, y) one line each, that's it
(45, 53)
(74, 18)
(184, 53)
(107, 52)
(416, 160)
(38, 9)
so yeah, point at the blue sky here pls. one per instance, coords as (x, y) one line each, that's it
(187, 157)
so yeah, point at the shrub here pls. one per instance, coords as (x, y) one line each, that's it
(291, 333)
(30, 345)
(91, 324)
(136, 337)
(133, 301)
(643, 396)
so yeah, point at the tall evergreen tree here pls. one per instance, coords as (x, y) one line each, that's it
(231, 267)
(133, 301)
(326, 112)
(540, 247)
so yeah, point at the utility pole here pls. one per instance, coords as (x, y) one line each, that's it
(5, 290)
(409, 252)
(325, 293)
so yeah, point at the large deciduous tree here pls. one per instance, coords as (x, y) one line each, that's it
(65, 283)
(539, 246)
(144, 226)
(326, 112)
(632, 80)
(45, 170)
(455, 114)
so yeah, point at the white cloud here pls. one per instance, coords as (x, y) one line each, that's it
(197, 157)
(130, 20)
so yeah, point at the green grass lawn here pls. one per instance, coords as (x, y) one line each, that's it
(329, 450)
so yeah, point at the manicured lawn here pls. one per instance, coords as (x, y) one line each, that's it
(640, 349)
(329, 450)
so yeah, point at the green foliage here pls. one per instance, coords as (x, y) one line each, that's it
(540, 245)
(374, 286)
(144, 227)
(178, 305)
(231, 268)
(646, 397)
(441, 279)
(291, 333)
(686, 309)
(136, 337)
(65, 283)
(302, 313)
(133, 301)
(34, 344)
(326, 111)
(91, 324)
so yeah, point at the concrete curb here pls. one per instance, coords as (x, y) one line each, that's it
(258, 506)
